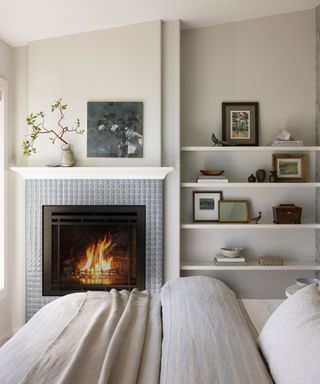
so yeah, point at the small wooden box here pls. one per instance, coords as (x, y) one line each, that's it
(287, 214)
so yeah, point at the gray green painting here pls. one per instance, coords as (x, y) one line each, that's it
(115, 129)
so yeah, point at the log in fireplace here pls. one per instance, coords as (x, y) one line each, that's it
(92, 248)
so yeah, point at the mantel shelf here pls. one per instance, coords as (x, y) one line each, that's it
(92, 172)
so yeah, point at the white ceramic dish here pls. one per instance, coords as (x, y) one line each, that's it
(231, 252)
(303, 281)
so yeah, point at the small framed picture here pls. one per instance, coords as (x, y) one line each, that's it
(233, 211)
(240, 123)
(205, 206)
(290, 167)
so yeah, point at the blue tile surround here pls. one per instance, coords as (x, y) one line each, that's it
(89, 192)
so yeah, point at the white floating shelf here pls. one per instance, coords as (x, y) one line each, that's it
(250, 185)
(248, 226)
(249, 149)
(251, 266)
(92, 172)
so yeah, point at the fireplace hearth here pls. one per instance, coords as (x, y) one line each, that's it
(92, 248)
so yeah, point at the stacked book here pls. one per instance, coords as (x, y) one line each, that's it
(287, 143)
(212, 179)
(229, 261)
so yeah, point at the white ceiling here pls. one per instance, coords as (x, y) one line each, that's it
(22, 21)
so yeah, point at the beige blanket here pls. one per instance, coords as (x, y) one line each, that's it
(115, 337)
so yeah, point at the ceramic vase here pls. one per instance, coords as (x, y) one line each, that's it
(67, 156)
(252, 178)
(261, 175)
(273, 178)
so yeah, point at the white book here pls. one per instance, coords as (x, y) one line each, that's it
(224, 259)
(213, 181)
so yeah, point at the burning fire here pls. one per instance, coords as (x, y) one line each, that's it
(98, 261)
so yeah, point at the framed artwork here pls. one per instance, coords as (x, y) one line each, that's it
(233, 211)
(290, 167)
(240, 123)
(205, 206)
(115, 129)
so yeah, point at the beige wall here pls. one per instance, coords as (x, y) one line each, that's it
(115, 64)
(270, 60)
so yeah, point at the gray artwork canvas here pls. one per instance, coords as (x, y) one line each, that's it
(115, 129)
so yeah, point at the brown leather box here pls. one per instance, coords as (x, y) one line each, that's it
(287, 214)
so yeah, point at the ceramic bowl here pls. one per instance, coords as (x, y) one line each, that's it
(212, 172)
(303, 281)
(231, 252)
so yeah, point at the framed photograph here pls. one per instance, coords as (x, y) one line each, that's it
(290, 167)
(205, 206)
(115, 129)
(240, 123)
(233, 211)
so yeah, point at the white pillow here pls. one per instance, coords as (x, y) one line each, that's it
(290, 339)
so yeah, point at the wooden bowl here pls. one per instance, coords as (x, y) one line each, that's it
(212, 172)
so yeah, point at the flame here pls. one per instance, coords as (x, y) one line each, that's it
(97, 257)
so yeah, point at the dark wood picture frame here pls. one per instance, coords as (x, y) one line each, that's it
(299, 157)
(240, 123)
(216, 205)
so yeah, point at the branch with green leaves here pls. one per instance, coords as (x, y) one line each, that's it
(37, 124)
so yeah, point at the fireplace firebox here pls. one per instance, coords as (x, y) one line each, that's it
(92, 248)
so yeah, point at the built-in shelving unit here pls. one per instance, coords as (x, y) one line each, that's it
(294, 242)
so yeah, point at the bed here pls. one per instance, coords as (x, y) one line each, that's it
(193, 331)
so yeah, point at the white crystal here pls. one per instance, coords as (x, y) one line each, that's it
(285, 135)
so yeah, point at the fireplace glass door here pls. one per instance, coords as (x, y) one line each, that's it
(93, 248)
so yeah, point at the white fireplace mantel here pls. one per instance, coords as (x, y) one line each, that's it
(92, 172)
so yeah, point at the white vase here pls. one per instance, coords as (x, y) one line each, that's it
(67, 156)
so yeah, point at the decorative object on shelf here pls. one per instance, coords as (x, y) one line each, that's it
(67, 156)
(257, 218)
(290, 167)
(231, 252)
(217, 142)
(287, 214)
(252, 178)
(240, 123)
(285, 138)
(115, 129)
(233, 211)
(37, 123)
(270, 260)
(261, 175)
(212, 172)
(285, 135)
(205, 206)
(273, 178)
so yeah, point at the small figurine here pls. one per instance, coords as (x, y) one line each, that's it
(252, 178)
(218, 143)
(256, 219)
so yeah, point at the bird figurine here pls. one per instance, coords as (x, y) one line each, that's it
(256, 219)
(218, 143)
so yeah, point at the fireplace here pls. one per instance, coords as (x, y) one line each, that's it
(92, 248)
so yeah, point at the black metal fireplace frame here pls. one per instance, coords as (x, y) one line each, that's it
(91, 214)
